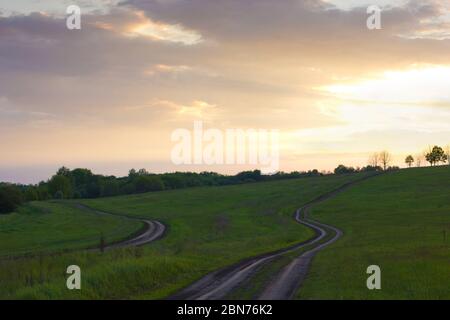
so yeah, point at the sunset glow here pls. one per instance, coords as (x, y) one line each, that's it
(109, 96)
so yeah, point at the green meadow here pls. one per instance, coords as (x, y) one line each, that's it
(208, 228)
(399, 221)
(43, 227)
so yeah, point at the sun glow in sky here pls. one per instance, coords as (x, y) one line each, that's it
(109, 96)
(425, 85)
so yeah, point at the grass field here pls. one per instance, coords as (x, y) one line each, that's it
(208, 228)
(42, 227)
(399, 221)
(396, 221)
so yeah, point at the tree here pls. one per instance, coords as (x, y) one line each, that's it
(341, 169)
(249, 176)
(109, 188)
(81, 177)
(142, 172)
(31, 194)
(60, 183)
(63, 171)
(173, 181)
(370, 168)
(420, 158)
(132, 173)
(374, 159)
(59, 195)
(409, 160)
(436, 155)
(148, 183)
(385, 159)
(10, 198)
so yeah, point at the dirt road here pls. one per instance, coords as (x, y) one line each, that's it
(152, 231)
(218, 284)
(285, 284)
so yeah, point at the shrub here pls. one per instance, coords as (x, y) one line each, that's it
(10, 199)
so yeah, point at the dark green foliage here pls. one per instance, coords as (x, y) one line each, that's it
(10, 198)
(81, 183)
(31, 194)
(60, 183)
(370, 168)
(145, 183)
(59, 195)
(109, 187)
(436, 155)
(172, 181)
(42, 191)
(409, 160)
(341, 169)
(249, 176)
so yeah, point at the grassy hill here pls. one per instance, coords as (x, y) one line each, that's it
(42, 227)
(396, 221)
(208, 228)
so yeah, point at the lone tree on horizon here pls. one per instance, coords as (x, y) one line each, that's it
(436, 155)
(409, 160)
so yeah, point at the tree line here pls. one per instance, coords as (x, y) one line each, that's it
(433, 155)
(82, 183)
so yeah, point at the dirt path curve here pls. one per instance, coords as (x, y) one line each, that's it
(285, 284)
(152, 231)
(218, 284)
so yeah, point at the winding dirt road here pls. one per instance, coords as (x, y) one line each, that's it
(218, 284)
(285, 284)
(152, 231)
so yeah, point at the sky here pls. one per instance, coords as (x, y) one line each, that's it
(109, 96)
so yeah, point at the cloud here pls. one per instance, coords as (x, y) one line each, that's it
(55, 8)
(162, 31)
(436, 26)
(139, 69)
(352, 4)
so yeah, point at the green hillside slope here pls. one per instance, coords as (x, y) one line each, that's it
(399, 221)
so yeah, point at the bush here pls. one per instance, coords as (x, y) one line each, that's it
(10, 199)
(341, 169)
